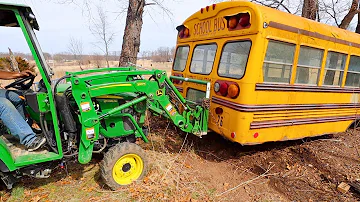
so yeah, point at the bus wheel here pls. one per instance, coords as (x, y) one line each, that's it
(123, 164)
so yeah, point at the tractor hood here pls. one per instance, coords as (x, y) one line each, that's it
(7, 18)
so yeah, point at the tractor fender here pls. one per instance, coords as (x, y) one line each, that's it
(6, 160)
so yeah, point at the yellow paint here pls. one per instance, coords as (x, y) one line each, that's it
(127, 169)
(239, 122)
(141, 84)
(111, 86)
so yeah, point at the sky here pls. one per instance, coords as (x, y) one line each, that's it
(59, 22)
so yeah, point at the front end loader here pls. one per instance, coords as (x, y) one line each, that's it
(92, 111)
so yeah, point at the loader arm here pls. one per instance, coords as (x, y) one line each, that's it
(158, 92)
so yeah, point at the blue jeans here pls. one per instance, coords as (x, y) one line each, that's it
(13, 117)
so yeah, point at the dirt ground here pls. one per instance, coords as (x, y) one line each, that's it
(186, 168)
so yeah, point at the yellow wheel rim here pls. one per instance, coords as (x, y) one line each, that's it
(127, 169)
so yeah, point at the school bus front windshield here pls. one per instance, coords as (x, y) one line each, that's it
(274, 76)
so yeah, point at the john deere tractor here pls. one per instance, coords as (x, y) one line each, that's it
(93, 111)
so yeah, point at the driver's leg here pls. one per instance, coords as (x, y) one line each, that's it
(18, 126)
(13, 97)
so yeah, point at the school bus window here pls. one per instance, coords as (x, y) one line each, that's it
(353, 74)
(309, 65)
(195, 97)
(278, 62)
(203, 59)
(234, 59)
(181, 56)
(334, 69)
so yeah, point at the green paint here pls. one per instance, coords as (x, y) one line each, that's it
(106, 102)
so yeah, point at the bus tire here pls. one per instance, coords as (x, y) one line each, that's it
(123, 164)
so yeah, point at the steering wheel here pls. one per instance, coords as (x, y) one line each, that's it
(20, 84)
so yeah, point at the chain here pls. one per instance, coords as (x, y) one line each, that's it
(206, 104)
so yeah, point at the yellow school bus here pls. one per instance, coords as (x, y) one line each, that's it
(274, 76)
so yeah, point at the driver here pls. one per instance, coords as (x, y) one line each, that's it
(12, 113)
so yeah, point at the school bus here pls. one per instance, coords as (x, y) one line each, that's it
(274, 76)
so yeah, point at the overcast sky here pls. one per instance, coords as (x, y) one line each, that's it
(59, 22)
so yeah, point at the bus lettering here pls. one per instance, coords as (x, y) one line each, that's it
(209, 26)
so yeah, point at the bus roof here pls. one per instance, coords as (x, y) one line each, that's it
(266, 14)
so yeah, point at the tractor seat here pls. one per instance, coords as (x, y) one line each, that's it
(18, 149)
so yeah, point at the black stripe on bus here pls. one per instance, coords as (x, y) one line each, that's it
(302, 88)
(291, 122)
(261, 108)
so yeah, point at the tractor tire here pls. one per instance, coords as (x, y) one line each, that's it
(123, 164)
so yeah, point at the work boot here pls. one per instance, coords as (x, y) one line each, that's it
(36, 144)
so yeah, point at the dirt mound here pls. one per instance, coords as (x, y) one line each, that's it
(186, 168)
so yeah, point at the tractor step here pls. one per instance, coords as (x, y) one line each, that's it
(18, 149)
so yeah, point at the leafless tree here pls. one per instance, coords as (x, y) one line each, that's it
(75, 47)
(101, 29)
(134, 21)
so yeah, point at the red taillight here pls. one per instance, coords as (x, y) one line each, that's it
(223, 89)
(233, 135)
(219, 110)
(177, 81)
(233, 91)
(244, 20)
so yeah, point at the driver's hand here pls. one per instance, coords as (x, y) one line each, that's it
(25, 73)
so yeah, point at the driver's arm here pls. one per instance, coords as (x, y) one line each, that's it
(14, 75)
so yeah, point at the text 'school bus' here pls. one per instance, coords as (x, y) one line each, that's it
(274, 76)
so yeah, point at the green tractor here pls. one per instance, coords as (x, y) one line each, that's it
(92, 111)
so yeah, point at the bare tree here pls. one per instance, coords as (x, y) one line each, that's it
(101, 29)
(134, 21)
(310, 9)
(133, 26)
(75, 47)
(354, 10)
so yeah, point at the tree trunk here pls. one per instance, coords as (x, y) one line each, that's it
(131, 39)
(358, 25)
(310, 9)
(350, 15)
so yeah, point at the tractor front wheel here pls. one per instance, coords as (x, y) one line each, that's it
(123, 164)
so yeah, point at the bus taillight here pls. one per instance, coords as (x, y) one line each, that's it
(219, 110)
(227, 89)
(233, 91)
(176, 81)
(223, 89)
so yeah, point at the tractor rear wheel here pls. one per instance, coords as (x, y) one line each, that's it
(123, 164)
